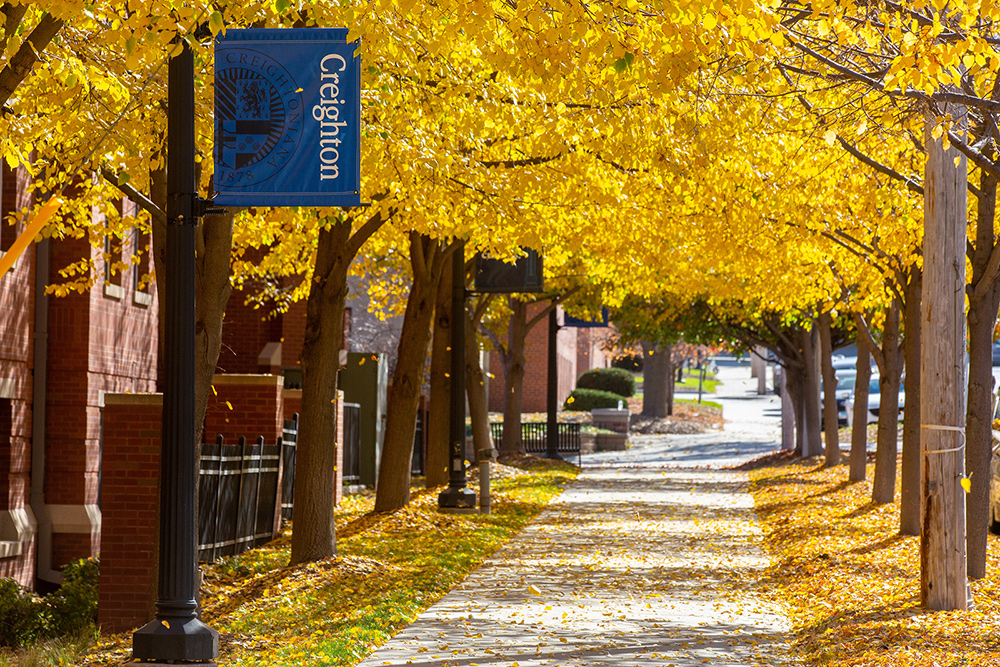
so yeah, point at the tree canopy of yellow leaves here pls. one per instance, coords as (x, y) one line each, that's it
(684, 146)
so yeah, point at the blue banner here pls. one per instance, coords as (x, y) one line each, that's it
(570, 321)
(287, 118)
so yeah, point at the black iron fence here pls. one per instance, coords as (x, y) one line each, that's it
(237, 495)
(419, 440)
(352, 443)
(534, 436)
(289, 439)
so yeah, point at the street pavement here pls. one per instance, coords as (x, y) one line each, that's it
(652, 557)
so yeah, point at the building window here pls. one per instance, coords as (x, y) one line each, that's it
(142, 267)
(113, 260)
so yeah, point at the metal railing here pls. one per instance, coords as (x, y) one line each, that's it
(289, 439)
(237, 495)
(534, 436)
(352, 443)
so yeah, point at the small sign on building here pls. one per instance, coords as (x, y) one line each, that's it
(496, 275)
(287, 118)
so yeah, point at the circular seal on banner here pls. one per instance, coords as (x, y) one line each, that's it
(258, 118)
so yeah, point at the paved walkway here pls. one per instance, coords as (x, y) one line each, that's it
(650, 558)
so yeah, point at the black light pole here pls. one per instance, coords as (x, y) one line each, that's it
(176, 633)
(457, 497)
(552, 398)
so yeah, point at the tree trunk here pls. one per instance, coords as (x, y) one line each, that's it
(668, 352)
(313, 535)
(812, 444)
(884, 478)
(475, 387)
(787, 415)
(909, 509)
(943, 582)
(795, 384)
(978, 429)
(859, 424)
(427, 257)
(657, 380)
(984, 299)
(214, 248)
(831, 437)
(513, 366)
(438, 420)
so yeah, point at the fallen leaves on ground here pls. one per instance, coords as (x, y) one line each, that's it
(688, 418)
(852, 582)
(389, 568)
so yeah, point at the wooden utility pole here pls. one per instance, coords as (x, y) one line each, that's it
(942, 370)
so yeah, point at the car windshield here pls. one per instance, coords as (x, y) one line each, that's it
(846, 382)
(873, 387)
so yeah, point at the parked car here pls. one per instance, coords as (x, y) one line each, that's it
(840, 362)
(845, 389)
(874, 401)
(996, 353)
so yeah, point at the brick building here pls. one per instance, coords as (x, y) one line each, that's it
(577, 350)
(58, 358)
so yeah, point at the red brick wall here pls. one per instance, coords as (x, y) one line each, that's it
(293, 333)
(536, 356)
(129, 504)
(590, 353)
(339, 482)
(247, 405)
(293, 402)
(102, 341)
(16, 356)
(245, 332)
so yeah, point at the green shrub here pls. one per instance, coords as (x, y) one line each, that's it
(628, 362)
(615, 380)
(74, 605)
(26, 619)
(588, 399)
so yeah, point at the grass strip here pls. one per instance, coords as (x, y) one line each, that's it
(852, 582)
(389, 568)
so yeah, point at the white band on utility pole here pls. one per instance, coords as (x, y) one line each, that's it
(938, 427)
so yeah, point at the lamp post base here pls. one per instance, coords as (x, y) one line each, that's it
(175, 640)
(458, 501)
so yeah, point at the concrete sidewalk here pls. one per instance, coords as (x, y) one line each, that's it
(640, 562)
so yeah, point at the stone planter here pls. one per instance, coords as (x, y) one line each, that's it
(588, 443)
(611, 419)
(611, 442)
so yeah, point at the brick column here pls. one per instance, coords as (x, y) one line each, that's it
(339, 485)
(129, 503)
(247, 405)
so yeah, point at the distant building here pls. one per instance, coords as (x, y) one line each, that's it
(578, 350)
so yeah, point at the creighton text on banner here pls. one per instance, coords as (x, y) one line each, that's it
(287, 118)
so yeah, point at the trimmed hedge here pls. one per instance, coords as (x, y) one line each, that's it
(585, 400)
(628, 362)
(616, 380)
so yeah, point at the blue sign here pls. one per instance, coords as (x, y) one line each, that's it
(287, 118)
(571, 321)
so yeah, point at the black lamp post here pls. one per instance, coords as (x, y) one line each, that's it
(457, 497)
(176, 633)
